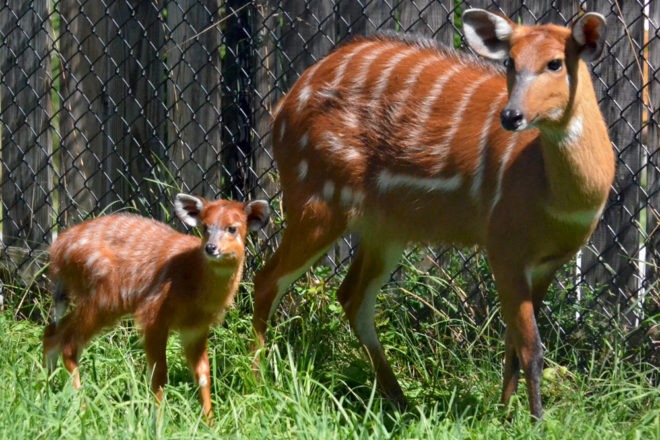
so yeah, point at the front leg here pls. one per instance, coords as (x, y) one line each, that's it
(511, 374)
(194, 346)
(523, 348)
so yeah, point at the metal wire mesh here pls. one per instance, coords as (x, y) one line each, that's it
(118, 104)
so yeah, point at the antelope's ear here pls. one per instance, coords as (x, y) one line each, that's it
(188, 208)
(487, 33)
(589, 34)
(258, 214)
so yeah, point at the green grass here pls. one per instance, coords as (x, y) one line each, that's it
(315, 383)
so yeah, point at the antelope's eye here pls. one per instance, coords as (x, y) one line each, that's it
(555, 65)
(232, 229)
(509, 63)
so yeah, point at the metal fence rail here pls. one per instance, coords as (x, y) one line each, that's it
(117, 104)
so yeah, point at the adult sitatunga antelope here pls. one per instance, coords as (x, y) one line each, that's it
(398, 140)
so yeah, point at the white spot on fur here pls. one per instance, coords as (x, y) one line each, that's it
(304, 139)
(203, 381)
(303, 97)
(556, 114)
(334, 143)
(92, 259)
(358, 198)
(573, 132)
(388, 181)
(305, 90)
(102, 268)
(328, 190)
(346, 196)
(303, 167)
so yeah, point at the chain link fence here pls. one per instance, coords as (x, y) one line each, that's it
(118, 104)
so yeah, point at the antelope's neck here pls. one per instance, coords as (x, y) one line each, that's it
(578, 155)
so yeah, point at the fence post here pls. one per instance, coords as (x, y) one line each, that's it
(266, 30)
(653, 149)
(195, 70)
(236, 85)
(25, 116)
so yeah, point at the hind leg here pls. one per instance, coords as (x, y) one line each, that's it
(51, 344)
(155, 344)
(307, 237)
(68, 338)
(371, 268)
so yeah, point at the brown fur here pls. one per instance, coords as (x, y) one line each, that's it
(125, 264)
(364, 145)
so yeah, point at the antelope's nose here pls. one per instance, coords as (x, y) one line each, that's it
(211, 249)
(512, 119)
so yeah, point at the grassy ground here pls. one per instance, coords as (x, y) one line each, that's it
(315, 385)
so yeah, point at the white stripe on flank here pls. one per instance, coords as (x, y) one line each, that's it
(341, 69)
(367, 61)
(441, 150)
(402, 98)
(480, 166)
(384, 77)
(388, 181)
(429, 100)
(500, 172)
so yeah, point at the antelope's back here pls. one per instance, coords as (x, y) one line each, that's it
(398, 120)
(125, 251)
